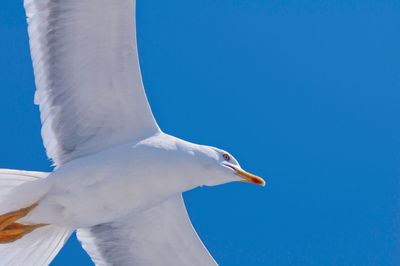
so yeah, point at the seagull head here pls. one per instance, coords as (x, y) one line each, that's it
(221, 167)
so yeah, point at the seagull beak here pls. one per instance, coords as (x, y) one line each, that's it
(247, 177)
(250, 178)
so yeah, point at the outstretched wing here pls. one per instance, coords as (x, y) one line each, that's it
(89, 86)
(159, 236)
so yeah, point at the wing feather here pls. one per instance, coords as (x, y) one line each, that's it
(159, 236)
(87, 74)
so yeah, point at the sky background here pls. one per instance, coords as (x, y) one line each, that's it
(303, 93)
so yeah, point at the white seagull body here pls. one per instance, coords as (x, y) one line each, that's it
(118, 179)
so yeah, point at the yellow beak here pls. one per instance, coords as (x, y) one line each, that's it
(248, 178)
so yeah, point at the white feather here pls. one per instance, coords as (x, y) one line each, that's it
(39, 247)
(35, 249)
(162, 235)
(87, 74)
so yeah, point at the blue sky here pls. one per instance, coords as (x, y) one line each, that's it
(303, 93)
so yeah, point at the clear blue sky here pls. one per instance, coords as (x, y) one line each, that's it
(303, 93)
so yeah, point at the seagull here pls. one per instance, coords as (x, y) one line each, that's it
(118, 179)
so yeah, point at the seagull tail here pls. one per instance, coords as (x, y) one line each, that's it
(38, 247)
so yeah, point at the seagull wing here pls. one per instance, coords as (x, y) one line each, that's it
(162, 235)
(87, 74)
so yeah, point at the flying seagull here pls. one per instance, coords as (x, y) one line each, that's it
(118, 179)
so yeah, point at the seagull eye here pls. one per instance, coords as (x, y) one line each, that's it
(226, 157)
